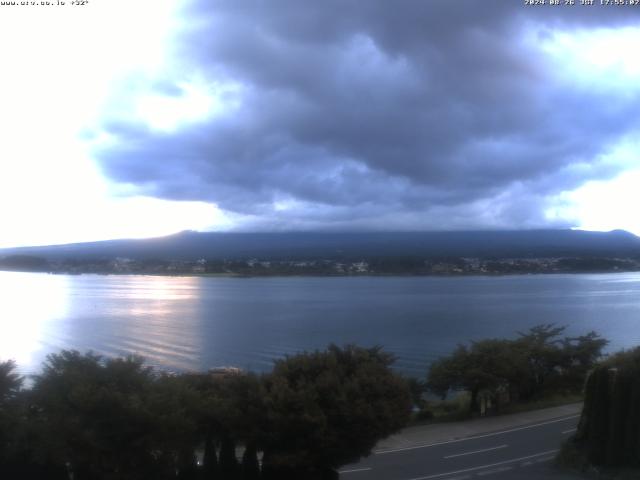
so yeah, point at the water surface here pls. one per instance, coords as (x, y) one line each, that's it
(186, 323)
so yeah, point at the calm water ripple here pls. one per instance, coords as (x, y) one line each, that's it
(185, 323)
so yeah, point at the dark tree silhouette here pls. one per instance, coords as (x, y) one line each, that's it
(326, 409)
(520, 369)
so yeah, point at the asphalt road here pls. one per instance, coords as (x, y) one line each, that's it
(523, 452)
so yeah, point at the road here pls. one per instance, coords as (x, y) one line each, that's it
(522, 452)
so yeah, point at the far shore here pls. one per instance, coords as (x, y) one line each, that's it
(325, 275)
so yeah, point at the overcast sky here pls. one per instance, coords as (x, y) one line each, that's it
(125, 118)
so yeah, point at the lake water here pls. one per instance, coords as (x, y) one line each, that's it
(186, 323)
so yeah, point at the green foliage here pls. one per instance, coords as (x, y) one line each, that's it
(598, 423)
(105, 417)
(487, 365)
(609, 429)
(579, 356)
(452, 409)
(10, 387)
(326, 409)
(10, 381)
(626, 359)
(97, 418)
(536, 363)
(417, 389)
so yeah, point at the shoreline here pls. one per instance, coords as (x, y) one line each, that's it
(328, 275)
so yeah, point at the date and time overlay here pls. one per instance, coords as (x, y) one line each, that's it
(532, 3)
(584, 3)
(47, 3)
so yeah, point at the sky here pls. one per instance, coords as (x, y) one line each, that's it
(123, 119)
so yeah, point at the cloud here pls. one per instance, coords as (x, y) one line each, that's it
(339, 114)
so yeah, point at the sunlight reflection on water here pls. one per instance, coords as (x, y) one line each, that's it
(188, 323)
(32, 309)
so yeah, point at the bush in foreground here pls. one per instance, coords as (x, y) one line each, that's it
(609, 430)
(327, 409)
(86, 417)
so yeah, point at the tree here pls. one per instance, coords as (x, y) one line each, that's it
(175, 431)
(580, 355)
(417, 388)
(10, 387)
(110, 418)
(543, 357)
(10, 381)
(521, 369)
(242, 418)
(487, 366)
(326, 409)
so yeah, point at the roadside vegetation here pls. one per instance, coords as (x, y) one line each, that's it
(86, 417)
(540, 368)
(607, 441)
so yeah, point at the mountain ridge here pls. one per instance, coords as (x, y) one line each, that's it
(191, 245)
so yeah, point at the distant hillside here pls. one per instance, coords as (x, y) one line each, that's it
(319, 245)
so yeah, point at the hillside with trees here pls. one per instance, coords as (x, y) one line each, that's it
(191, 246)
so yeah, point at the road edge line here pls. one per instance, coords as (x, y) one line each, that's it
(513, 460)
(393, 450)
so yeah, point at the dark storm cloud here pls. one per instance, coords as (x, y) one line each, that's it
(379, 114)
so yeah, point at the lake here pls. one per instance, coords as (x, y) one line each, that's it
(184, 323)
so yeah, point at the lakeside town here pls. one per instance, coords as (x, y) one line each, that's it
(323, 267)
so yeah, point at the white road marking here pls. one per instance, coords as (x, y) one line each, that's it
(476, 451)
(569, 431)
(540, 460)
(495, 470)
(393, 450)
(481, 467)
(353, 470)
